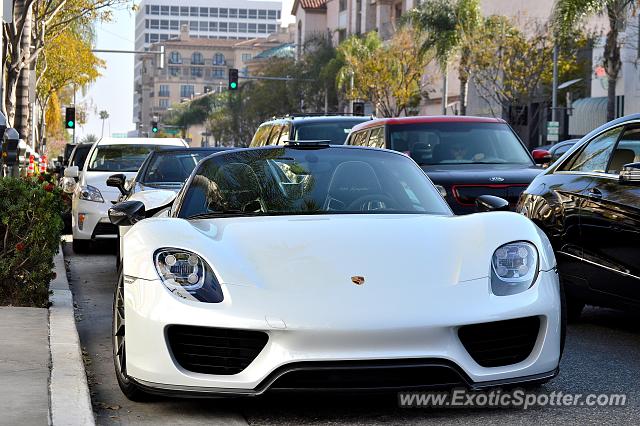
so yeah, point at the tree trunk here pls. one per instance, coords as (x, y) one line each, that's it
(17, 88)
(612, 61)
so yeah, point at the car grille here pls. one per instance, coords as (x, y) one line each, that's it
(103, 228)
(214, 350)
(368, 375)
(494, 344)
(466, 194)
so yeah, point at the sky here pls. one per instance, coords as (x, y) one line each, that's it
(113, 91)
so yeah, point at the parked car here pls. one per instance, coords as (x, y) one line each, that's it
(464, 156)
(164, 168)
(92, 197)
(588, 203)
(68, 184)
(229, 293)
(333, 128)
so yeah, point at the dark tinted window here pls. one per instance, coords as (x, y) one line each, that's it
(594, 157)
(334, 131)
(627, 151)
(118, 158)
(171, 167)
(300, 181)
(80, 155)
(458, 143)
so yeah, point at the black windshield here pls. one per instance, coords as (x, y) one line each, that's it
(119, 158)
(171, 167)
(458, 143)
(309, 181)
(334, 131)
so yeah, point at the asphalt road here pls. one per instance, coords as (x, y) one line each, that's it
(602, 356)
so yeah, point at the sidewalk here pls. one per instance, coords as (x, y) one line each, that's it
(24, 366)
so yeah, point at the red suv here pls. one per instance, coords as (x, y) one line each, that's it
(464, 156)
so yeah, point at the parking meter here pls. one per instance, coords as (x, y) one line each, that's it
(3, 124)
(10, 148)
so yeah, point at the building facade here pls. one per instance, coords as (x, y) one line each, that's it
(192, 67)
(233, 20)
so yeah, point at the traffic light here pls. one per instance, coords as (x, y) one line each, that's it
(70, 118)
(233, 79)
(154, 126)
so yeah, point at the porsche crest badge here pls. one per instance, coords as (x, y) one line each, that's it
(357, 280)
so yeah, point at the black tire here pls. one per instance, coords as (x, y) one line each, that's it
(128, 388)
(81, 246)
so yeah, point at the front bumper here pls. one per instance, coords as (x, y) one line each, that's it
(429, 336)
(96, 224)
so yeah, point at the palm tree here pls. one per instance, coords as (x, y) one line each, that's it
(448, 25)
(568, 13)
(103, 116)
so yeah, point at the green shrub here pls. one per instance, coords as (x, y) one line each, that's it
(30, 227)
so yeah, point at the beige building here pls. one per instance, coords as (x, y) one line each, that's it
(192, 67)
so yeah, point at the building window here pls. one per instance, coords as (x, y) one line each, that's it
(271, 28)
(164, 37)
(213, 26)
(184, 11)
(217, 73)
(233, 27)
(262, 28)
(262, 14)
(242, 27)
(146, 23)
(193, 11)
(164, 10)
(218, 59)
(193, 26)
(154, 24)
(186, 90)
(233, 13)
(175, 58)
(146, 38)
(196, 72)
(155, 10)
(222, 27)
(164, 91)
(213, 12)
(154, 38)
(164, 24)
(278, 14)
(204, 26)
(174, 71)
(253, 13)
(163, 103)
(272, 14)
(175, 11)
(242, 13)
(223, 12)
(246, 57)
(252, 28)
(204, 12)
(342, 5)
(197, 58)
(174, 25)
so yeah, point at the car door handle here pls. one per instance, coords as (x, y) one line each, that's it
(595, 193)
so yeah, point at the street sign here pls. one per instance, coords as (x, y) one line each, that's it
(553, 131)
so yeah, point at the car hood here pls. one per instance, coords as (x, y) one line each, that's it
(315, 255)
(99, 180)
(448, 174)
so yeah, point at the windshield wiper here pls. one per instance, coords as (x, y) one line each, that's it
(223, 213)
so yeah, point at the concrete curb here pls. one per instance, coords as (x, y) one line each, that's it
(68, 388)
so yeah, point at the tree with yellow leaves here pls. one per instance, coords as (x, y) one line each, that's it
(390, 75)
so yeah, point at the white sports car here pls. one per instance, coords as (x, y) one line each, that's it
(310, 267)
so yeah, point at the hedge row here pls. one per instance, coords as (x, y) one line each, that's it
(30, 228)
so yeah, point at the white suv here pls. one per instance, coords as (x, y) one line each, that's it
(92, 198)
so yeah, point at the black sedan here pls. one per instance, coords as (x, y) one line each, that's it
(588, 203)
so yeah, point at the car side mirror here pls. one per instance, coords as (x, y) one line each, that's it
(118, 181)
(491, 203)
(541, 156)
(127, 213)
(72, 172)
(630, 173)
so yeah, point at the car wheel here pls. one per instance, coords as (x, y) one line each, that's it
(129, 389)
(81, 246)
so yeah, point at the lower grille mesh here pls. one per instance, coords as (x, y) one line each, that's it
(214, 350)
(494, 344)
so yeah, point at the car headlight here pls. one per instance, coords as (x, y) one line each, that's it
(91, 193)
(187, 275)
(514, 268)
